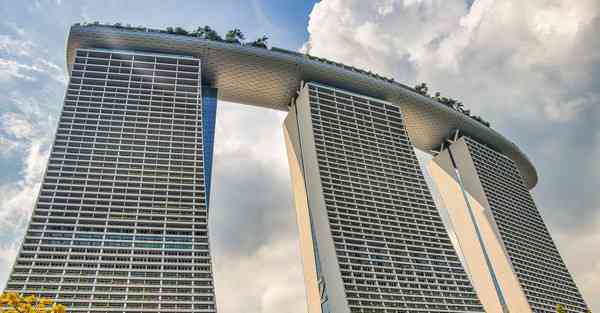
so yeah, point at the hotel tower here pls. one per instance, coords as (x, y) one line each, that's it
(121, 220)
(513, 262)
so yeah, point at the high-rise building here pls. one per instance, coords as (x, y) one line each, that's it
(121, 221)
(513, 262)
(372, 239)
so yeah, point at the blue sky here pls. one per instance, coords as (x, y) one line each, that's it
(531, 68)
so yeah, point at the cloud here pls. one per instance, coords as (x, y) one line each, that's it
(15, 125)
(17, 198)
(7, 146)
(16, 47)
(568, 110)
(20, 59)
(531, 68)
(252, 220)
(268, 281)
(11, 69)
(19, 31)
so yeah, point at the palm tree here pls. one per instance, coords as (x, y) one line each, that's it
(234, 36)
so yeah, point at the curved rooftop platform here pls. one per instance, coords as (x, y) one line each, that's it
(270, 78)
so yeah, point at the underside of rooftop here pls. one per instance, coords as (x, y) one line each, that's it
(270, 78)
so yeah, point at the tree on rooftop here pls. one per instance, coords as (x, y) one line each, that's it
(234, 36)
(260, 42)
(207, 33)
(449, 102)
(422, 89)
(180, 31)
(199, 32)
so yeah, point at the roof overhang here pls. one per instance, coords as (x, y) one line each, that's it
(270, 79)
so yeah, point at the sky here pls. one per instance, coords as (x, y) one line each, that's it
(531, 68)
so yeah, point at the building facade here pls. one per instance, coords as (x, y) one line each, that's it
(372, 239)
(513, 262)
(121, 220)
(120, 224)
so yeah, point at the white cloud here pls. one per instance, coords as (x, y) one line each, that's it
(17, 198)
(268, 281)
(14, 124)
(568, 110)
(243, 128)
(19, 59)
(16, 47)
(12, 69)
(7, 146)
(376, 34)
(15, 28)
(16, 204)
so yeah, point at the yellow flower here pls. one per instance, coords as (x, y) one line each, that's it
(4, 298)
(41, 309)
(59, 308)
(13, 298)
(30, 299)
(24, 307)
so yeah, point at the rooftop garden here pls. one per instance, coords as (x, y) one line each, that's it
(449, 102)
(235, 36)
